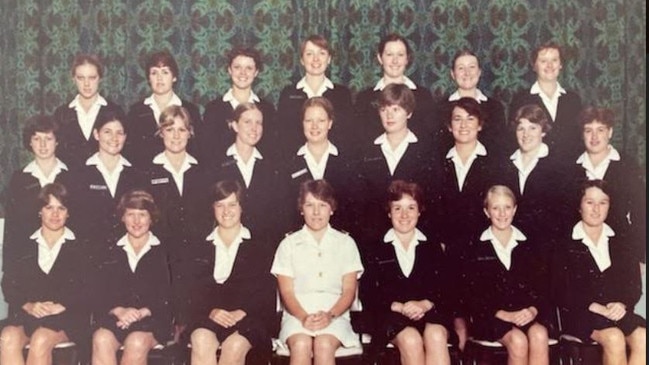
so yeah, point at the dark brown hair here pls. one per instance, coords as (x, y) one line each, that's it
(320, 189)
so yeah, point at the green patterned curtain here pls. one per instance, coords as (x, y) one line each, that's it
(604, 44)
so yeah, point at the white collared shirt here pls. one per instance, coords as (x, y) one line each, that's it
(598, 172)
(110, 178)
(504, 253)
(461, 169)
(551, 102)
(229, 98)
(405, 257)
(150, 101)
(392, 157)
(598, 250)
(479, 96)
(87, 119)
(224, 256)
(317, 169)
(327, 84)
(523, 171)
(406, 81)
(134, 258)
(33, 169)
(246, 169)
(46, 255)
(179, 176)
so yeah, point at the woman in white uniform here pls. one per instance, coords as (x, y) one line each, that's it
(317, 270)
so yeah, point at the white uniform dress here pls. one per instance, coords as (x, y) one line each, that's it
(317, 271)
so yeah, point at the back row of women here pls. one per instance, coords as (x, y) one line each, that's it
(174, 157)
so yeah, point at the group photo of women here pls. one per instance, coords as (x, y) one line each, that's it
(243, 226)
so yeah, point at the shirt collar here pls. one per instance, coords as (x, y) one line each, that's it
(175, 100)
(613, 155)
(229, 98)
(579, 233)
(161, 159)
(391, 236)
(488, 235)
(406, 81)
(383, 138)
(232, 151)
(151, 241)
(94, 160)
(32, 167)
(331, 150)
(244, 234)
(479, 96)
(68, 235)
(480, 150)
(536, 89)
(326, 85)
(76, 103)
(543, 151)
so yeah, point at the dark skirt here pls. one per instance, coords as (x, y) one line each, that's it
(582, 324)
(147, 324)
(391, 324)
(251, 329)
(76, 327)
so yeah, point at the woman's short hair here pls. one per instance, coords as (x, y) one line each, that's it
(399, 188)
(498, 190)
(543, 47)
(55, 190)
(224, 188)
(169, 115)
(591, 114)
(38, 123)
(461, 53)
(535, 114)
(246, 52)
(318, 40)
(320, 189)
(319, 101)
(110, 116)
(85, 58)
(397, 94)
(596, 183)
(393, 37)
(470, 105)
(140, 200)
(242, 108)
(161, 59)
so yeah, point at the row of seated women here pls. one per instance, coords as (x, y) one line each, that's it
(221, 291)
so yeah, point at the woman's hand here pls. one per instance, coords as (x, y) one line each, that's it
(317, 321)
(42, 309)
(520, 317)
(615, 311)
(225, 318)
(126, 316)
(415, 309)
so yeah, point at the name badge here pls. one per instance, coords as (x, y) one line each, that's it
(98, 187)
(161, 180)
(299, 173)
(297, 97)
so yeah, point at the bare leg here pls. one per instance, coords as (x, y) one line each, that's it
(41, 345)
(517, 347)
(435, 344)
(12, 341)
(136, 348)
(637, 342)
(234, 350)
(324, 350)
(461, 328)
(104, 347)
(538, 345)
(301, 347)
(411, 346)
(613, 345)
(204, 346)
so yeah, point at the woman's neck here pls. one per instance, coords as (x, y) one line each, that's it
(162, 100)
(405, 238)
(593, 232)
(393, 80)
(241, 95)
(52, 236)
(318, 149)
(244, 150)
(468, 93)
(597, 158)
(314, 81)
(46, 165)
(109, 161)
(87, 103)
(395, 138)
(176, 159)
(138, 242)
(227, 235)
(548, 87)
(529, 156)
(465, 150)
(503, 236)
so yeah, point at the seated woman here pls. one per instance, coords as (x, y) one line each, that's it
(505, 289)
(317, 269)
(132, 308)
(232, 293)
(597, 282)
(43, 287)
(411, 284)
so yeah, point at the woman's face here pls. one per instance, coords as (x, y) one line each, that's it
(111, 138)
(594, 207)
(500, 210)
(137, 222)
(548, 65)
(227, 212)
(315, 59)
(529, 135)
(243, 71)
(464, 127)
(43, 145)
(394, 59)
(54, 215)
(404, 214)
(161, 80)
(249, 127)
(394, 118)
(86, 78)
(317, 124)
(175, 136)
(597, 137)
(316, 213)
(466, 72)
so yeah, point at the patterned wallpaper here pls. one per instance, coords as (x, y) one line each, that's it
(604, 44)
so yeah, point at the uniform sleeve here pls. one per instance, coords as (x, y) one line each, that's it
(353, 258)
(282, 264)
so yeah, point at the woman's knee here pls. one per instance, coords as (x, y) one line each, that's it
(44, 339)
(516, 342)
(409, 340)
(236, 345)
(537, 334)
(104, 339)
(12, 338)
(138, 342)
(204, 339)
(300, 344)
(325, 344)
(610, 338)
(637, 340)
(435, 334)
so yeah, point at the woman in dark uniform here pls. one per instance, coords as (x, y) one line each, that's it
(131, 307)
(244, 64)
(232, 293)
(43, 286)
(77, 119)
(40, 137)
(410, 278)
(315, 56)
(143, 117)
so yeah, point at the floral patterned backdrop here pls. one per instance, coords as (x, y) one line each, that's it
(604, 44)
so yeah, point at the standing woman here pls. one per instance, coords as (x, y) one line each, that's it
(562, 106)
(315, 56)
(597, 282)
(244, 64)
(43, 287)
(40, 137)
(411, 284)
(317, 270)
(131, 307)
(77, 119)
(143, 117)
(232, 293)
(394, 55)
